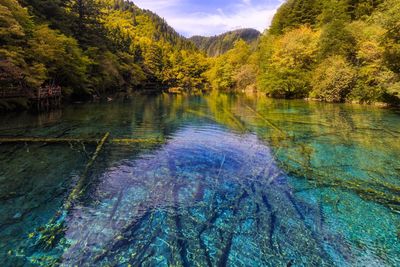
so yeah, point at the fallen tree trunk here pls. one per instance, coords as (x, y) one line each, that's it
(48, 234)
(380, 192)
(268, 122)
(13, 140)
(46, 140)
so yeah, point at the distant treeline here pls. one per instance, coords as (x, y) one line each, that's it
(220, 44)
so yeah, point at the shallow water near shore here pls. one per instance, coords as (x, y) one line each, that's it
(216, 180)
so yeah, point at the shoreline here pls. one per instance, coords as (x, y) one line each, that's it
(15, 105)
(359, 103)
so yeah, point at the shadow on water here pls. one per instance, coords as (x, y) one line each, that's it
(237, 181)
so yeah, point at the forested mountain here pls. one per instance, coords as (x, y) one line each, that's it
(331, 50)
(92, 47)
(220, 44)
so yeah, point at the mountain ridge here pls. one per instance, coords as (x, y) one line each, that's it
(219, 44)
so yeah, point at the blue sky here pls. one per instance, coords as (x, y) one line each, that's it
(210, 17)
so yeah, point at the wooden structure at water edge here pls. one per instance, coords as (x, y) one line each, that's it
(43, 98)
(47, 97)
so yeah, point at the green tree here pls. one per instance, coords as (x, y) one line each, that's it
(223, 74)
(15, 28)
(333, 79)
(65, 62)
(376, 81)
(153, 61)
(294, 13)
(336, 39)
(389, 18)
(290, 61)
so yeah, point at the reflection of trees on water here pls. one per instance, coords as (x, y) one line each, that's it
(324, 137)
(144, 201)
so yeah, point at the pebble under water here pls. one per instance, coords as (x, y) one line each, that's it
(218, 180)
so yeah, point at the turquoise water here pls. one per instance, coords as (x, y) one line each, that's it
(217, 180)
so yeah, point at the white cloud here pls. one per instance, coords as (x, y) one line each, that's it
(242, 14)
(210, 24)
(157, 4)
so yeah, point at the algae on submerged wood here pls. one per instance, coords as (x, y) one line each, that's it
(204, 180)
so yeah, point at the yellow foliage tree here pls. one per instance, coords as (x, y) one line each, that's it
(333, 79)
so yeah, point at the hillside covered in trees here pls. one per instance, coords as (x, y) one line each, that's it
(220, 44)
(93, 47)
(330, 50)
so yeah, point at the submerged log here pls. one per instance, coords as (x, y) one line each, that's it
(201, 114)
(46, 140)
(13, 140)
(47, 235)
(380, 192)
(236, 121)
(76, 192)
(137, 141)
(268, 121)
